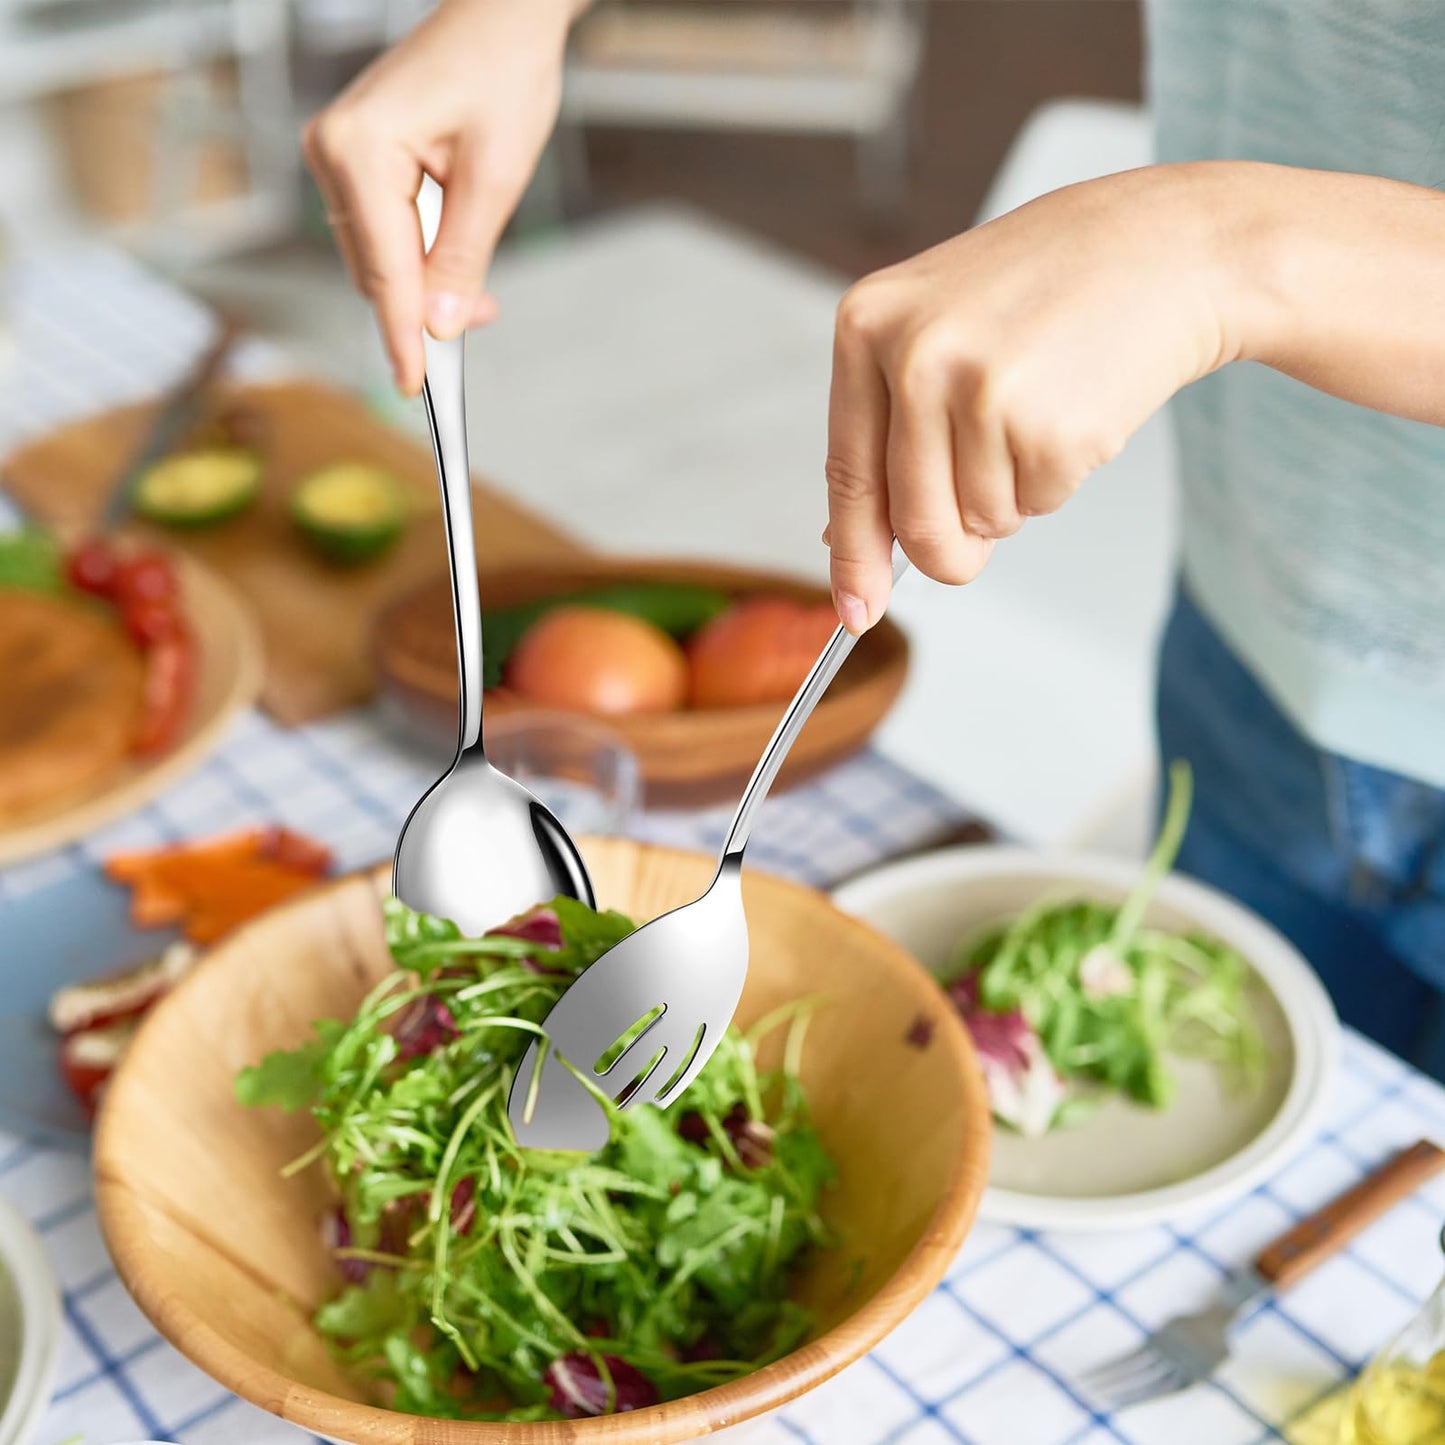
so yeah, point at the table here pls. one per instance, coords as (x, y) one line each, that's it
(990, 1358)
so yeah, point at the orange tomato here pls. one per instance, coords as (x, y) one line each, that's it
(758, 651)
(589, 660)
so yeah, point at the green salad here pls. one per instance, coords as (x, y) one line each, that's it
(1077, 1000)
(484, 1281)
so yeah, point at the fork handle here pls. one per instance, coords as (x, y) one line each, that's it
(833, 656)
(1312, 1241)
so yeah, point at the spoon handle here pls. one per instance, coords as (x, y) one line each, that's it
(446, 412)
(833, 656)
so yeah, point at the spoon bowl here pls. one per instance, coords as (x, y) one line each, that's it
(479, 848)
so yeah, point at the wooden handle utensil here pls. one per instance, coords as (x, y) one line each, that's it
(1312, 1241)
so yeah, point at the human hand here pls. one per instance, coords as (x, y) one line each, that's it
(470, 96)
(980, 382)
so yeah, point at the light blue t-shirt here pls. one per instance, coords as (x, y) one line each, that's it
(1314, 530)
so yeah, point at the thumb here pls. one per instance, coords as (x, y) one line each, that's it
(474, 210)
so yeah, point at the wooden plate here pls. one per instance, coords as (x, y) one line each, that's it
(228, 678)
(685, 757)
(63, 479)
(224, 1256)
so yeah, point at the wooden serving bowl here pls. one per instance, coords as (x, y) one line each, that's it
(224, 1255)
(684, 757)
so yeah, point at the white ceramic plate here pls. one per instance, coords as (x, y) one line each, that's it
(1126, 1165)
(29, 1328)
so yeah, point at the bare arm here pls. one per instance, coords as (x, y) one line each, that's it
(979, 383)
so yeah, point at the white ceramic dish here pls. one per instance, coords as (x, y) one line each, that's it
(29, 1328)
(1126, 1166)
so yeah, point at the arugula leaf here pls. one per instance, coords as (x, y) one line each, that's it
(375, 1308)
(421, 1378)
(488, 1262)
(586, 934)
(287, 1079)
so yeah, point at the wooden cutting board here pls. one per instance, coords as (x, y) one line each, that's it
(315, 618)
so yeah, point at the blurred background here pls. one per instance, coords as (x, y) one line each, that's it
(853, 133)
(658, 379)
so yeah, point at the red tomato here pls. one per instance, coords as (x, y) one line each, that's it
(589, 660)
(758, 651)
(91, 567)
(166, 701)
(149, 621)
(146, 577)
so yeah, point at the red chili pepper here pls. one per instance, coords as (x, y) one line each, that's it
(169, 685)
(91, 567)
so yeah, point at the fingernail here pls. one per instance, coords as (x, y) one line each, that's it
(445, 314)
(827, 536)
(852, 611)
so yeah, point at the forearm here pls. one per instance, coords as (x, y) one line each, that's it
(567, 11)
(1339, 280)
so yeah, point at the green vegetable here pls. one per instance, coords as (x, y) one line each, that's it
(678, 608)
(199, 488)
(1111, 999)
(666, 1250)
(31, 560)
(350, 512)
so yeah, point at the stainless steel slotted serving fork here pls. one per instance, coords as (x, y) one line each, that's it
(683, 973)
(1190, 1348)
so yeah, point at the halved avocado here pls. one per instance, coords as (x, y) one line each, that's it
(350, 512)
(199, 488)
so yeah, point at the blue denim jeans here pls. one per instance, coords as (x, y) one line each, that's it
(1346, 860)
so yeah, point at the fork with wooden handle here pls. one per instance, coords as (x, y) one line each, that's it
(1191, 1347)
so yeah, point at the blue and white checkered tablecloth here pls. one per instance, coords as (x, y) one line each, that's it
(992, 1356)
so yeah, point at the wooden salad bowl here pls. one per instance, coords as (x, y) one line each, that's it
(689, 756)
(224, 1256)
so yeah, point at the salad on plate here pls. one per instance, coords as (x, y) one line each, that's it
(1075, 1000)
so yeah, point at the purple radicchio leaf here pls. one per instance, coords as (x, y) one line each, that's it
(538, 925)
(425, 1025)
(336, 1235)
(464, 1205)
(577, 1388)
(1024, 1089)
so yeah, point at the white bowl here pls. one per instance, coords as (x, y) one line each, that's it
(1126, 1165)
(29, 1328)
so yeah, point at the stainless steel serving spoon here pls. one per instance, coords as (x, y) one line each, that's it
(683, 973)
(478, 848)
